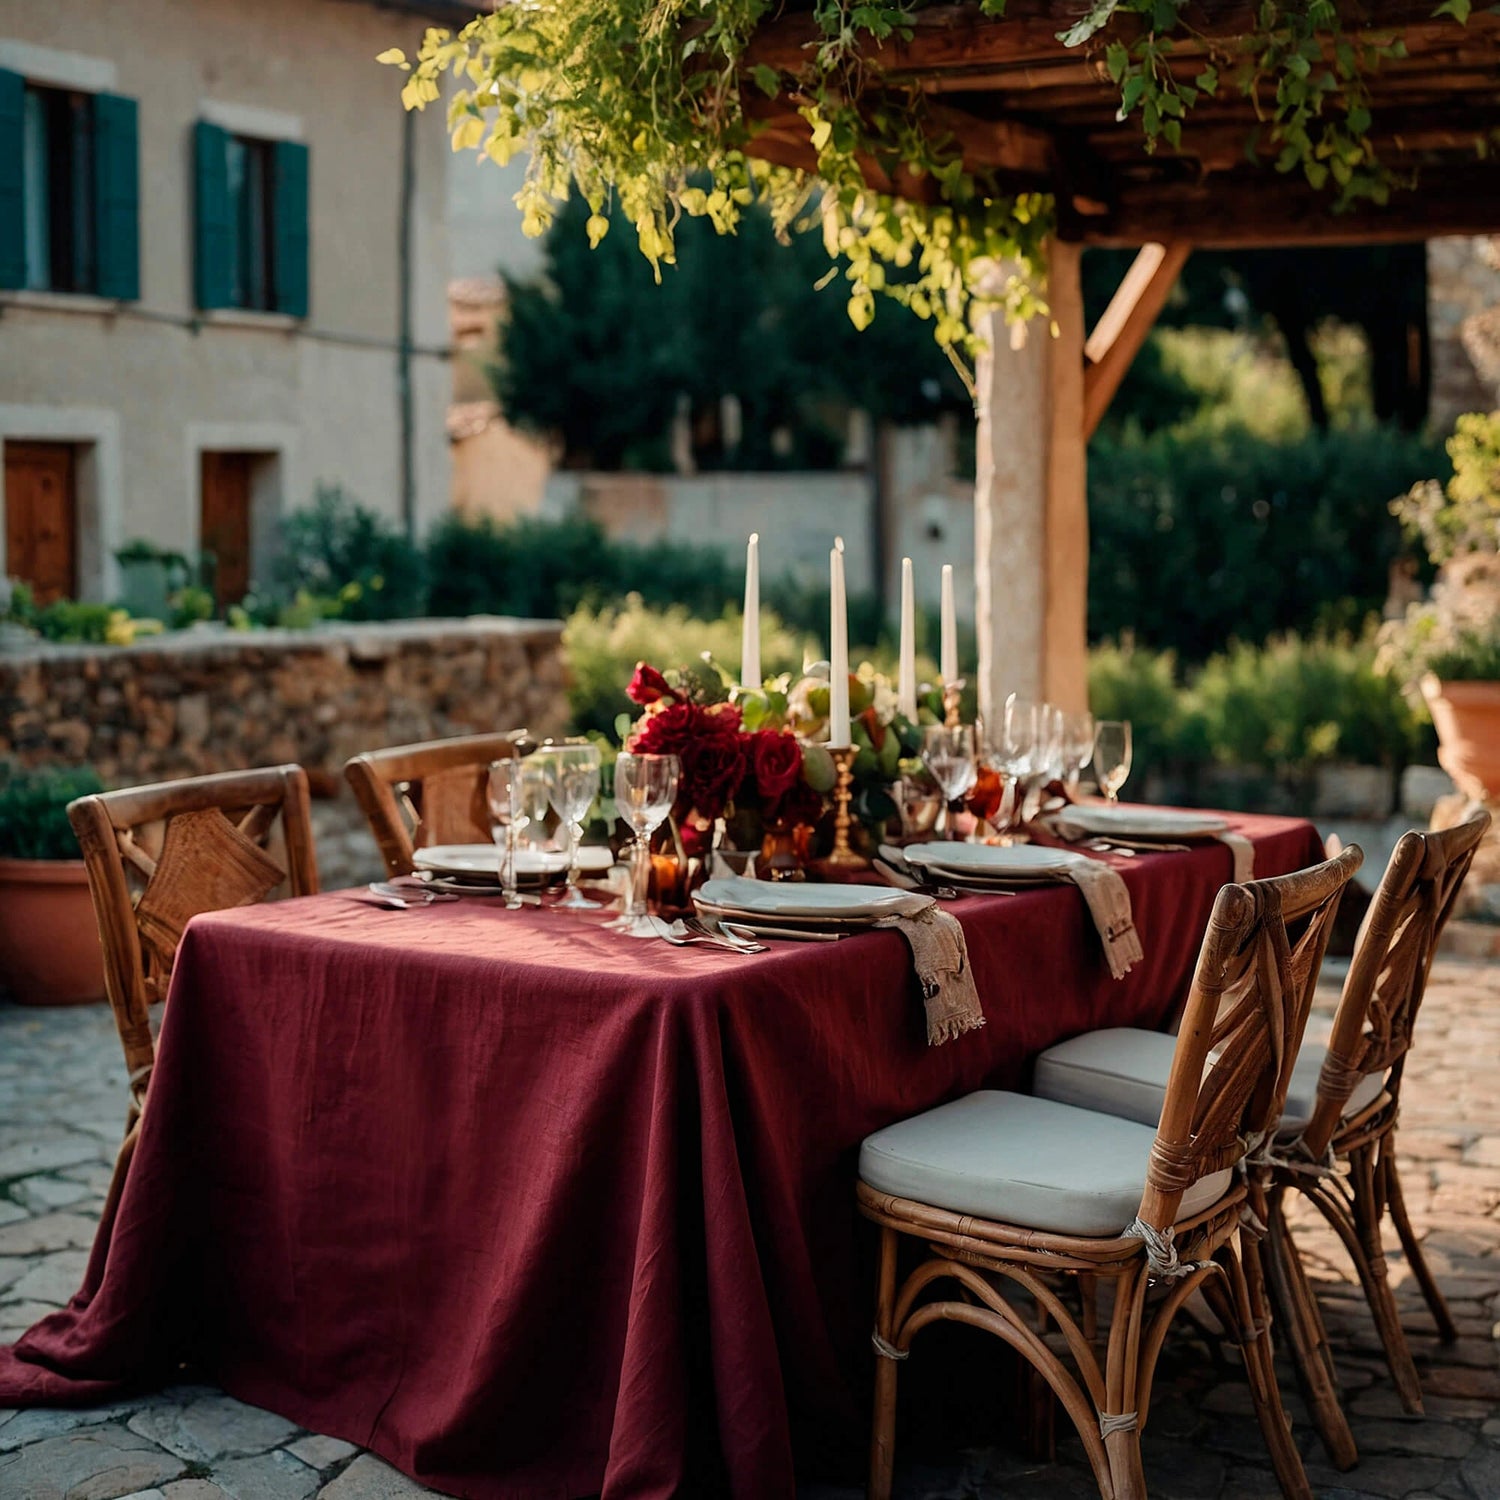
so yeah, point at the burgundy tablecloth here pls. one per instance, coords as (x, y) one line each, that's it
(533, 1210)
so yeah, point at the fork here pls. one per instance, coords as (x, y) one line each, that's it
(681, 935)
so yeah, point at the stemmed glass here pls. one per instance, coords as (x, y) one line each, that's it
(572, 785)
(1112, 756)
(504, 791)
(645, 789)
(948, 753)
(1012, 750)
(1078, 747)
(532, 799)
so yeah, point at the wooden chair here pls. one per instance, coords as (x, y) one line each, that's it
(159, 855)
(1344, 1159)
(433, 793)
(1013, 1191)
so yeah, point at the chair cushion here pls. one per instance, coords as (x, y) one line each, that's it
(1123, 1071)
(1024, 1161)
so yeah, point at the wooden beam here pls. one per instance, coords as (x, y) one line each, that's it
(1119, 334)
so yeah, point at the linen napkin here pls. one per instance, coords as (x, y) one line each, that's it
(1063, 827)
(941, 959)
(1109, 905)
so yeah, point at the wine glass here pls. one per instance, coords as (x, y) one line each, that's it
(1012, 750)
(1112, 756)
(572, 785)
(504, 793)
(533, 798)
(645, 789)
(918, 803)
(1078, 747)
(948, 753)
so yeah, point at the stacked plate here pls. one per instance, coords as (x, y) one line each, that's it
(1160, 823)
(474, 869)
(979, 866)
(795, 909)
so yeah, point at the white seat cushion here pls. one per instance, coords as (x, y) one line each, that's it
(1024, 1161)
(1123, 1071)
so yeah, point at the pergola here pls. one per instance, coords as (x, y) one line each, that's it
(1043, 117)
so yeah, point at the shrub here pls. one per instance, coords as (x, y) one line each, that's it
(1127, 681)
(336, 542)
(34, 811)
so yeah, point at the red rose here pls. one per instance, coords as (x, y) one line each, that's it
(778, 763)
(798, 804)
(649, 686)
(669, 730)
(713, 766)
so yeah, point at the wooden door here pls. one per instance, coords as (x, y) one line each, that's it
(225, 522)
(41, 518)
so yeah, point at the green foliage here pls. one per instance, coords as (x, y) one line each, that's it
(336, 542)
(34, 810)
(596, 355)
(1200, 535)
(1466, 518)
(603, 645)
(1127, 681)
(190, 605)
(628, 100)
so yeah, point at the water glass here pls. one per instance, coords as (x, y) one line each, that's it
(948, 753)
(504, 794)
(1078, 746)
(645, 789)
(572, 785)
(1112, 756)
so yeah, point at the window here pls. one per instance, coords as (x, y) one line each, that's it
(69, 190)
(251, 222)
(58, 172)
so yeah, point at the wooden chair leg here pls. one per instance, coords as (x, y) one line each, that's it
(883, 1422)
(1241, 1304)
(1416, 1258)
(1369, 1211)
(1300, 1324)
(1121, 1424)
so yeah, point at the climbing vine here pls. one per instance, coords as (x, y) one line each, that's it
(643, 102)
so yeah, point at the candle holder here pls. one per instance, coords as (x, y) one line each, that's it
(842, 862)
(952, 694)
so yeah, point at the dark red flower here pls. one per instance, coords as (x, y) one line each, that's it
(649, 686)
(713, 766)
(778, 763)
(798, 804)
(669, 730)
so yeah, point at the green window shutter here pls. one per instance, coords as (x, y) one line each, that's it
(289, 227)
(117, 209)
(12, 208)
(214, 241)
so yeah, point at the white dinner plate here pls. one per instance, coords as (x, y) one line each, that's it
(763, 898)
(1146, 822)
(991, 861)
(483, 860)
(819, 926)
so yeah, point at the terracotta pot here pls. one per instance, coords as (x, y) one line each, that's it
(49, 943)
(1467, 718)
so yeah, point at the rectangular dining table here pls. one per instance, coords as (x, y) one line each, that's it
(534, 1210)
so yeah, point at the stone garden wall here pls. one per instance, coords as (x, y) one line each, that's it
(188, 703)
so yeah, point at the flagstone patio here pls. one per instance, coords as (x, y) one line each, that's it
(61, 1112)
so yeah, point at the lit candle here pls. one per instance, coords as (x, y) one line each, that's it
(948, 661)
(838, 651)
(906, 683)
(750, 676)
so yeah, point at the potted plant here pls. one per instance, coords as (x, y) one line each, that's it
(49, 943)
(1449, 647)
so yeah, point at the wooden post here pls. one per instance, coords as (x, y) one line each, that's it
(1031, 504)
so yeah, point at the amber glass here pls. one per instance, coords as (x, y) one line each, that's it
(987, 794)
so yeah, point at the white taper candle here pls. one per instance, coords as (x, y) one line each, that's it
(838, 651)
(948, 661)
(750, 674)
(906, 681)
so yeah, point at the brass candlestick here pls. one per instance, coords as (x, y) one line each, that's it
(842, 862)
(952, 693)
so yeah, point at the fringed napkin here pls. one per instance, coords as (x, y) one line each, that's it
(1109, 905)
(1065, 828)
(941, 959)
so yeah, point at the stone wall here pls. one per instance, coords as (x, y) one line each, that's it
(1463, 311)
(189, 703)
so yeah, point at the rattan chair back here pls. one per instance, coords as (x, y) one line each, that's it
(413, 796)
(1372, 1030)
(1248, 1006)
(159, 855)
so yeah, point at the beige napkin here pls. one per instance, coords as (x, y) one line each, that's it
(941, 959)
(1109, 905)
(1238, 845)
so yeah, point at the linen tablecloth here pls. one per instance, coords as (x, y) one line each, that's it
(533, 1210)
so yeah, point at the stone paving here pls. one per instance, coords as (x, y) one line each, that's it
(61, 1107)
